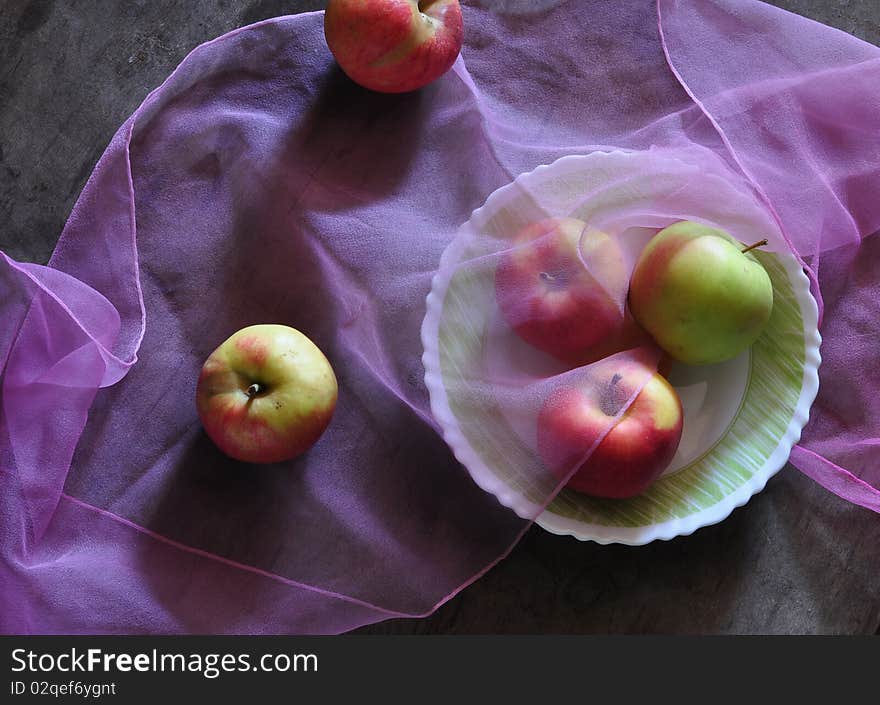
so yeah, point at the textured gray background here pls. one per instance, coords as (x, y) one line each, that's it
(794, 560)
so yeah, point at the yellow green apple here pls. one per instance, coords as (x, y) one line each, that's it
(266, 394)
(701, 294)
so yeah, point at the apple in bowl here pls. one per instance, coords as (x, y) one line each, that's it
(702, 295)
(635, 451)
(561, 286)
(266, 394)
(394, 46)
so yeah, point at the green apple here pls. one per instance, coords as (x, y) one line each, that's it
(702, 295)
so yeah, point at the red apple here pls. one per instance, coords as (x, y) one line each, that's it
(266, 394)
(636, 450)
(394, 46)
(556, 302)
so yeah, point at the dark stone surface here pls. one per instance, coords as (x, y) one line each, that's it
(794, 560)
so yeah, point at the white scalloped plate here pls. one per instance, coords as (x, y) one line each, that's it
(741, 418)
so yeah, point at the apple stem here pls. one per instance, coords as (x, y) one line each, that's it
(610, 402)
(760, 243)
(253, 390)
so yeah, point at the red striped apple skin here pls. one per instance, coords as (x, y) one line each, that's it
(633, 454)
(552, 300)
(394, 46)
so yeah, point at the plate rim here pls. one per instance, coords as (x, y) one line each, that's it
(598, 533)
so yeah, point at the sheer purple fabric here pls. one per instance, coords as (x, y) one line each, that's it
(257, 184)
(793, 102)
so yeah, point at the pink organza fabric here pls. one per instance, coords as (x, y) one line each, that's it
(257, 184)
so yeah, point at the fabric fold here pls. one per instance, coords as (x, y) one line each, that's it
(799, 118)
